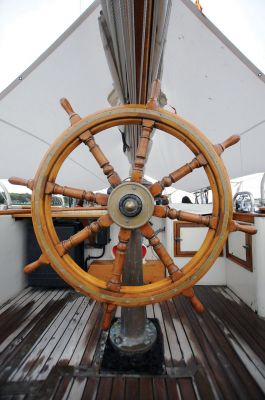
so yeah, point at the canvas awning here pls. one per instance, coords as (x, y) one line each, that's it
(205, 78)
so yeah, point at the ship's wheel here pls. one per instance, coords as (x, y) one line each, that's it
(131, 205)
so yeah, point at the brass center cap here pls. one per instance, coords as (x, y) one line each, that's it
(131, 205)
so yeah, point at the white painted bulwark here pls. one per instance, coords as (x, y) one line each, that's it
(236, 245)
(242, 282)
(215, 276)
(258, 250)
(12, 257)
(249, 286)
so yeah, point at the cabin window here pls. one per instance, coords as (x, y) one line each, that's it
(239, 249)
(188, 238)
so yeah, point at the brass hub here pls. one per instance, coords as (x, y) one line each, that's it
(131, 205)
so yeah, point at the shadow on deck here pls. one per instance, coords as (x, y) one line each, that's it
(51, 348)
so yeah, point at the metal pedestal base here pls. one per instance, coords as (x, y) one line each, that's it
(133, 345)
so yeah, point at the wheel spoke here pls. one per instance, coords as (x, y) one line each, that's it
(54, 188)
(66, 245)
(22, 182)
(98, 198)
(36, 264)
(108, 314)
(73, 116)
(147, 129)
(250, 229)
(141, 155)
(88, 139)
(157, 188)
(115, 281)
(220, 148)
(164, 211)
(148, 232)
(195, 302)
(199, 161)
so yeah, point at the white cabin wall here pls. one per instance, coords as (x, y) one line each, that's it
(12, 257)
(242, 282)
(250, 286)
(258, 253)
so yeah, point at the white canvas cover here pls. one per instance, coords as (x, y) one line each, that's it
(205, 78)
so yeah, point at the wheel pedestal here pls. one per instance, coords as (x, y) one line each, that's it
(133, 332)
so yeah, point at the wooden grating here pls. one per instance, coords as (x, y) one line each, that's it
(51, 347)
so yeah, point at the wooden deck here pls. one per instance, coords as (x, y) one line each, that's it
(51, 348)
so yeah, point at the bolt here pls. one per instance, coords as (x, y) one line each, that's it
(118, 340)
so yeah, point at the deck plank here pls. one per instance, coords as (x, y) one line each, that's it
(70, 348)
(187, 390)
(239, 323)
(18, 299)
(77, 389)
(91, 389)
(167, 353)
(118, 388)
(146, 389)
(20, 331)
(243, 314)
(31, 365)
(92, 341)
(18, 316)
(15, 352)
(225, 356)
(104, 388)
(214, 366)
(131, 388)
(197, 349)
(86, 334)
(215, 355)
(237, 349)
(62, 387)
(173, 391)
(175, 350)
(160, 391)
(253, 344)
(63, 340)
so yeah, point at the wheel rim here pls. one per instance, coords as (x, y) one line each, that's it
(194, 269)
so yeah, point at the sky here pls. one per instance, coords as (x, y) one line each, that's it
(29, 27)
(243, 23)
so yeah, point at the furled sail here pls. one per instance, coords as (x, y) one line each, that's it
(134, 36)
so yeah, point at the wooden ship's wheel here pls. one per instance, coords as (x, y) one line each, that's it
(131, 205)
